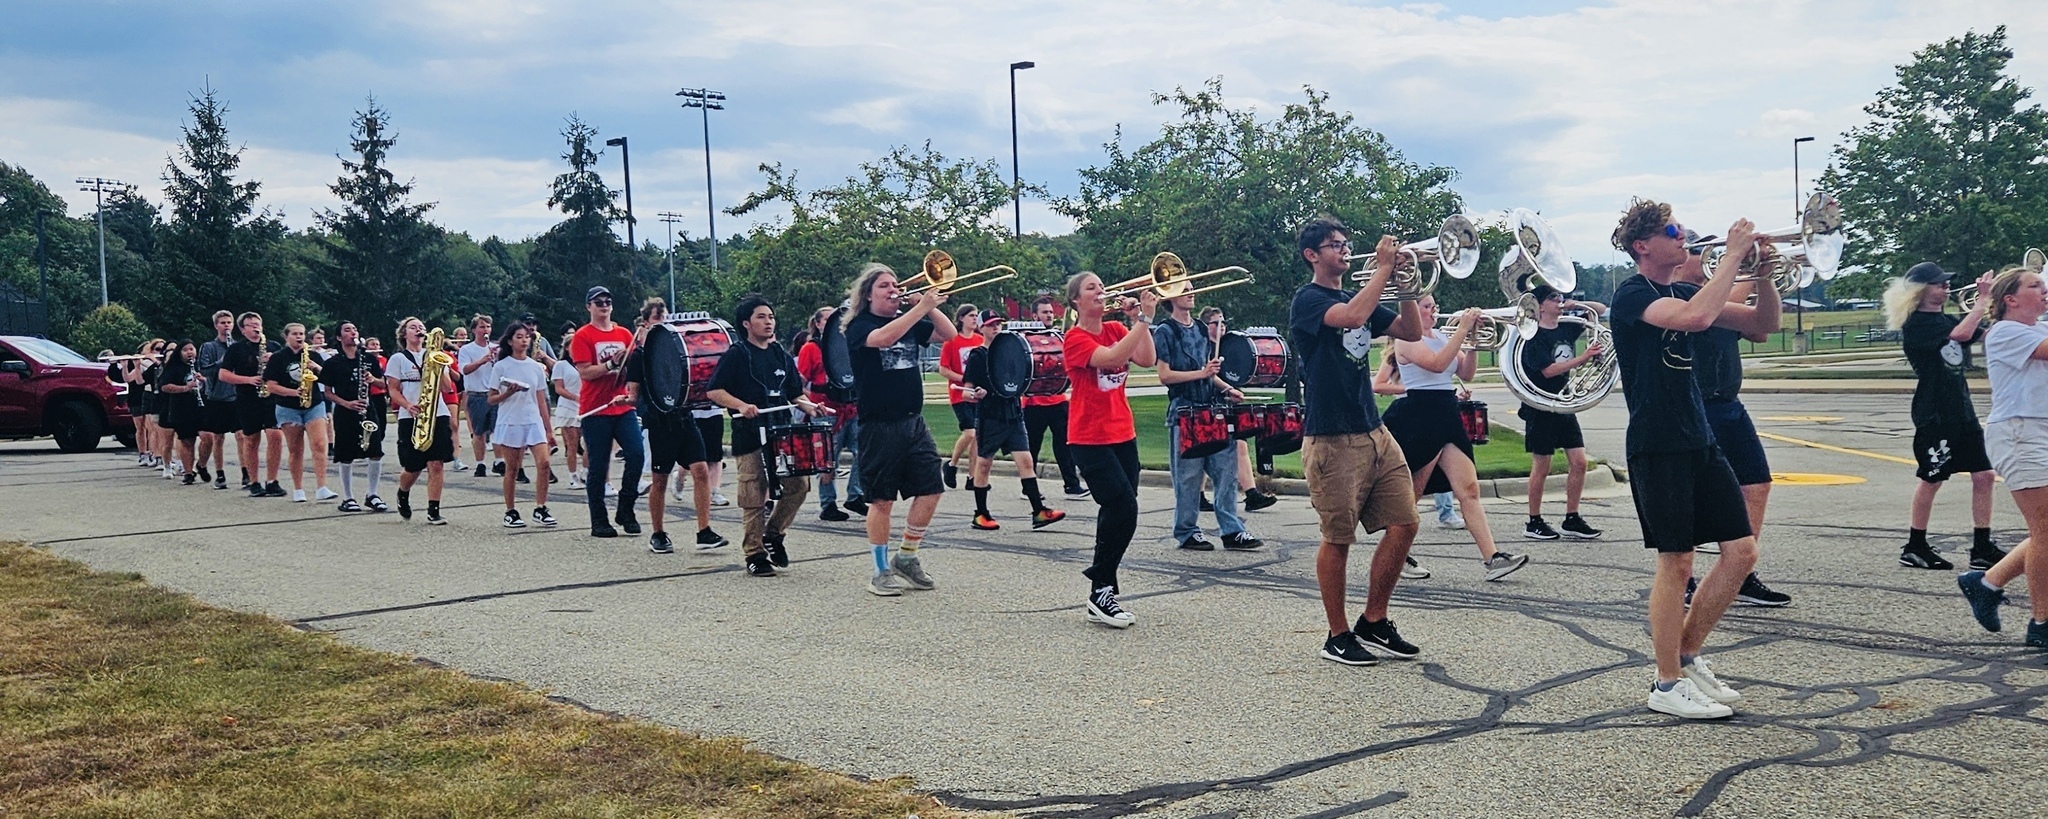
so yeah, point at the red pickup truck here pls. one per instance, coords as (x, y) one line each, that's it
(48, 389)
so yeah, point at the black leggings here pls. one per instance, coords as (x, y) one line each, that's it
(1037, 420)
(1112, 472)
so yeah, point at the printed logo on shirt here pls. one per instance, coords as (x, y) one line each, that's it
(1677, 353)
(1952, 353)
(1107, 380)
(1358, 345)
(1562, 353)
(607, 349)
(899, 356)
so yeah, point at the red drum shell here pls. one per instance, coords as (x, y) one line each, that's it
(1247, 420)
(1282, 432)
(1253, 357)
(705, 340)
(1203, 431)
(1473, 414)
(800, 449)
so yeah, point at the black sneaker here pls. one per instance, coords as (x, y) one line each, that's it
(245, 476)
(1344, 648)
(602, 529)
(659, 543)
(1692, 584)
(349, 505)
(778, 554)
(272, 490)
(255, 490)
(542, 517)
(220, 481)
(512, 520)
(1206, 505)
(376, 504)
(1536, 529)
(1922, 556)
(1984, 556)
(2037, 633)
(481, 470)
(1755, 593)
(1984, 600)
(857, 506)
(521, 478)
(1382, 638)
(434, 517)
(708, 540)
(1242, 541)
(497, 468)
(1198, 542)
(627, 522)
(1077, 492)
(207, 477)
(952, 476)
(1577, 528)
(760, 565)
(1256, 499)
(831, 513)
(404, 505)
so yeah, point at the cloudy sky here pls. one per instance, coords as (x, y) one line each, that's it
(1565, 107)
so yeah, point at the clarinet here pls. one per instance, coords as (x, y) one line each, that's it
(363, 394)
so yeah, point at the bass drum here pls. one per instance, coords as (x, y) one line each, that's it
(704, 342)
(1253, 357)
(838, 357)
(1026, 361)
(668, 369)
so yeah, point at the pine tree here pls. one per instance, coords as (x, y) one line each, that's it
(379, 245)
(581, 250)
(217, 251)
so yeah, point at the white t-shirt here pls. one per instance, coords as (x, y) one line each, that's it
(481, 380)
(2019, 382)
(401, 367)
(565, 372)
(521, 408)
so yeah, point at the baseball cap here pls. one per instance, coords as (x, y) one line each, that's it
(595, 292)
(1693, 237)
(992, 315)
(1928, 273)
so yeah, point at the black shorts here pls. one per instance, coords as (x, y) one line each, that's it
(442, 450)
(1006, 437)
(1946, 449)
(1423, 421)
(348, 434)
(964, 413)
(220, 418)
(253, 417)
(898, 460)
(1544, 433)
(1736, 435)
(1684, 499)
(711, 437)
(672, 439)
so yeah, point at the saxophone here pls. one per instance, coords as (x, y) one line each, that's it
(434, 361)
(307, 378)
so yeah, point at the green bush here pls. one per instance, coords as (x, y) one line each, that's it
(112, 327)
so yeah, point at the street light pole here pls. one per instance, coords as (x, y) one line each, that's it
(99, 188)
(707, 100)
(626, 159)
(671, 217)
(1798, 206)
(1016, 186)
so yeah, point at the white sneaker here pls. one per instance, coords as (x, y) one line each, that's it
(611, 490)
(675, 490)
(325, 494)
(645, 484)
(457, 465)
(298, 496)
(1708, 548)
(1683, 700)
(575, 481)
(1455, 521)
(1701, 674)
(1413, 571)
(718, 499)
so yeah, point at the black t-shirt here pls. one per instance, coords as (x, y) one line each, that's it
(1943, 396)
(339, 372)
(1716, 356)
(283, 369)
(1185, 348)
(177, 373)
(149, 377)
(1547, 346)
(762, 377)
(890, 382)
(1336, 364)
(244, 358)
(1665, 413)
(993, 409)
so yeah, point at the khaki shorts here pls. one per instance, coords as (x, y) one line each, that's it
(1357, 480)
(2019, 451)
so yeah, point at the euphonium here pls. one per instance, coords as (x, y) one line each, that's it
(434, 363)
(306, 377)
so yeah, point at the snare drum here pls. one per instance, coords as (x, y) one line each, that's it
(1253, 357)
(1473, 413)
(1281, 433)
(1027, 360)
(1204, 431)
(800, 449)
(705, 340)
(1247, 420)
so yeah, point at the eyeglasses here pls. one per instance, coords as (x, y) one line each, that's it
(1344, 246)
(1215, 323)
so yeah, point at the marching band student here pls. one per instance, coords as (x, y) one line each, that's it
(2016, 358)
(600, 350)
(347, 377)
(475, 360)
(256, 419)
(884, 339)
(219, 399)
(810, 361)
(1946, 436)
(402, 374)
(179, 385)
(320, 431)
(1048, 413)
(1426, 423)
(1356, 474)
(710, 422)
(1387, 381)
(283, 376)
(157, 410)
(1101, 434)
(519, 398)
(134, 373)
(999, 427)
(958, 394)
(1188, 364)
(1685, 493)
(673, 438)
(1255, 498)
(754, 375)
(1548, 357)
(567, 384)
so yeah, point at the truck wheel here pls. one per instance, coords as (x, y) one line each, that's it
(126, 439)
(76, 427)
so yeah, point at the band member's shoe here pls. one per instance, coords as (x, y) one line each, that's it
(1382, 638)
(1755, 593)
(220, 481)
(541, 516)
(1104, 608)
(325, 494)
(2037, 633)
(1198, 542)
(575, 481)
(245, 476)
(1046, 517)
(911, 570)
(952, 475)
(659, 543)
(434, 515)
(603, 529)
(272, 490)
(1692, 584)
(1345, 648)
(627, 522)
(497, 468)
(349, 506)
(1256, 499)
(1241, 541)
(1922, 556)
(376, 504)
(708, 540)
(512, 520)
(1537, 529)
(1686, 702)
(719, 499)
(1984, 600)
(1503, 564)
(404, 505)
(858, 506)
(521, 478)
(190, 478)
(778, 554)
(760, 565)
(1984, 556)
(1206, 505)
(831, 513)
(884, 584)
(205, 476)
(1577, 528)
(1449, 519)
(985, 523)
(1701, 674)
(298, 496)
(1414, 571)
(255, 489)
(480, 470)
(1077, 492)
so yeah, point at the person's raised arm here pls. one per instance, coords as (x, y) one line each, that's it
(1136, 346)
(1355, 313)
(1699, 313)
(1442, 358)
(927, 304)
(1966, 330)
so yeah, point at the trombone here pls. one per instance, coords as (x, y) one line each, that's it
(1454, 250)
(1169, 279)
(942, 275)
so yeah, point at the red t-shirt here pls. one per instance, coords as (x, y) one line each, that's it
(1100, 414)
(810, 363)
(953, 357)
(587, 346)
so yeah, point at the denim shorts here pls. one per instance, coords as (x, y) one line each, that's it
(287, 416)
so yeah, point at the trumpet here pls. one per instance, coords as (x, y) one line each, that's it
(1454, 250)
(109, 359)
(942, 275)
(1816, 241)
(1966, 296)
(1169, 279)
(1489, 334)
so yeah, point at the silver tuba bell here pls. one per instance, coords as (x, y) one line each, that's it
(1537, 258)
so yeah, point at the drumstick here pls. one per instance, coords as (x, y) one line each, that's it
(607, 405)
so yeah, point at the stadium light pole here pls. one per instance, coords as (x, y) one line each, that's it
(1016, 186)
(626, 160)
(671, 217)
(100, 187)
(707, 101)
(1798, 303)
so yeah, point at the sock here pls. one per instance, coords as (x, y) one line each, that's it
(881, 551)
(913, 537)
(1666, 685)
(376, 470)
(348, 480)
(1535, 518)
(433, 507)
(1031, 493)
(1916, 537)
(1986, 580)
(1686, 659)
(1982, 538)
(980, 498)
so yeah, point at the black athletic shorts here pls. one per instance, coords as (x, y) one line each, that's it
(253, 417)
(1684, 499)
(1006, 437)
(1946, 449)
(711, 436)
(348, 434)
(442, 450)
(221, 418)
(1544, 433)
(898, 460)
(1736, 435)
(964, 413)
(672, 438)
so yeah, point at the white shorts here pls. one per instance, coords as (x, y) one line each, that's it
(2019, 451)
(564, 416)
(519, 436)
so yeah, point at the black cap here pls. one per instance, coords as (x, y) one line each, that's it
(1928, 273)
(992, 315)
(595, 292)
(526, 318)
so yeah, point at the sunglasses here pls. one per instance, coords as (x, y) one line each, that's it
(602, 302)
(1674, 230)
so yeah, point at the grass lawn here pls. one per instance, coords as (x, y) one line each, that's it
(121, 699)
(1501, 457)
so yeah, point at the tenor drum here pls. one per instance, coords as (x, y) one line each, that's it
(1281, 433)
(838, 357)
(1027, 360)
(1247, 420)
(1253, 357)
(704, 342)
(800, 449)
(1204, 431)
(1473, 413)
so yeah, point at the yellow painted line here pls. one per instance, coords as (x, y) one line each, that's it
(1809, 418)
(1814, 479)
(1832, 448)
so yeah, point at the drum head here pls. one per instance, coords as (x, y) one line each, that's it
(668, 375)
(838, 357)
(1240, 359)
(1009, 365)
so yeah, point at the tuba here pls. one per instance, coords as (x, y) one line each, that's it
(434, 363)
(1537, 258)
